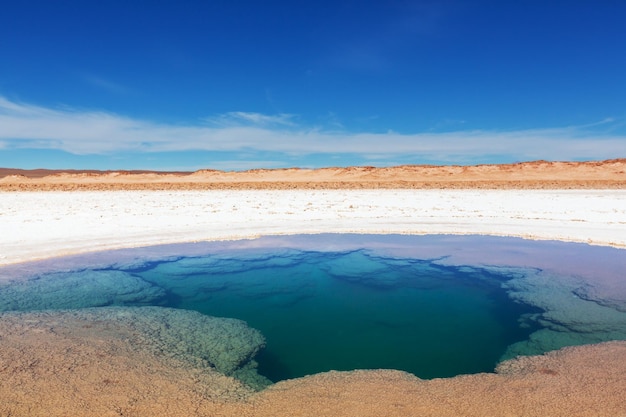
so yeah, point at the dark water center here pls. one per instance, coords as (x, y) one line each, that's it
(323, 311)
(435, 306)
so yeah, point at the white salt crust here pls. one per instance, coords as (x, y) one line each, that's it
(39, 225)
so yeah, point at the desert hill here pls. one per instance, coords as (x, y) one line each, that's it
(523, 175)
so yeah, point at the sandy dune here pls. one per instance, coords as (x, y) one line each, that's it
(536, 175)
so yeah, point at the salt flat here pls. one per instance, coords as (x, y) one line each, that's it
(38, 225)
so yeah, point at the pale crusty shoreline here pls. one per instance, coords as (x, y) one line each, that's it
(42, 225)
(581, 381)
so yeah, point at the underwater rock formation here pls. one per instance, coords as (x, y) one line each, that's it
(188, 337)
(224, 343)
(245, 275)
(79, 289)
(567, 319)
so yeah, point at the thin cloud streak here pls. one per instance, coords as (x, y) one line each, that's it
(24, 126)
(237, 118)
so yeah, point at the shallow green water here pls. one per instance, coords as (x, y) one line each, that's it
(321, 311)
(435, 306)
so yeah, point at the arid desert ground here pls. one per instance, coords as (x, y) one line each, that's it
(61, 363)
(610, 174)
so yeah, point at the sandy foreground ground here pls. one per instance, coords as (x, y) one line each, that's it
(57, 365)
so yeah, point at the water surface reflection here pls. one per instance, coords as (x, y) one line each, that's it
(435, 306)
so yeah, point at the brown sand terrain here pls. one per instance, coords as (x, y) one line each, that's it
(610, 174)
(58, 364)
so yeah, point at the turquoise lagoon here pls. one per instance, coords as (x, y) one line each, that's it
(435, 306)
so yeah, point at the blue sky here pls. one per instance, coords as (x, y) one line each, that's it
(184, 85)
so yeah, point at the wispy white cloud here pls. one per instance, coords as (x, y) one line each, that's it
(237, 118)
(92, 132)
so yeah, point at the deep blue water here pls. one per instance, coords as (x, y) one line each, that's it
(323, 311)
(435, 306)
